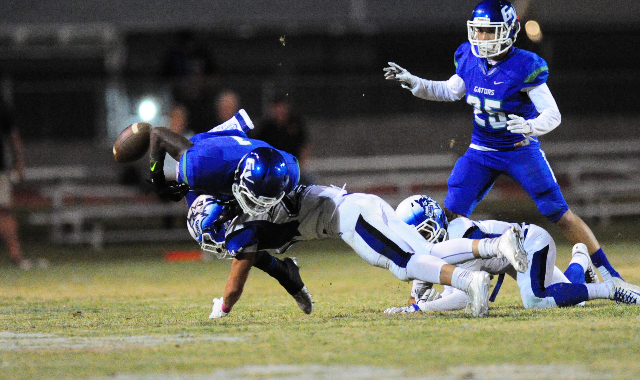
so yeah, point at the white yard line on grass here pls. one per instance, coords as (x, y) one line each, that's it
(15, 341)
(320, 372)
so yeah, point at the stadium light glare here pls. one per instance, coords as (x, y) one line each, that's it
(533, 31)
(147, 110)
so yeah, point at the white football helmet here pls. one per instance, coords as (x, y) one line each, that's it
(426, 215)
(204, 211)
(499, 16)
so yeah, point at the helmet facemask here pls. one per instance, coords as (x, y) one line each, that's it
(250, 203)
(499, 17)
(431, 231)
(204, 211)
(262, 171)
(208, 244)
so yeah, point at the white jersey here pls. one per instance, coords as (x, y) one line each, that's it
(365, 222)
(536, 240)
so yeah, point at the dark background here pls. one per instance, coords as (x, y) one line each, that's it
(330, 65)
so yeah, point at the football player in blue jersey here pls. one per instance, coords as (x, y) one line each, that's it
(542, 285)
(366, 223)
(244, 174)
(513, 106)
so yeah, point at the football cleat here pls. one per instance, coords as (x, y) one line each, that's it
(302, 296)
(403, 310)
(590, 274)
(510, 247)
(478, 293)
(625, 292)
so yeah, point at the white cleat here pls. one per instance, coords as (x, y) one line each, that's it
(510, 248)
(591, 273)
(478, 293)
(625, 292)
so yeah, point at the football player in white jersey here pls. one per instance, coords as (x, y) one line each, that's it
(512, 105)
(542, 285)
(367, 224)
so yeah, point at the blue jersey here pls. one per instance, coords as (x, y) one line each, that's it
(497, 92)
(208, 167)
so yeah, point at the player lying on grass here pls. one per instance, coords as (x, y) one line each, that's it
(542, 285)
(366, 223)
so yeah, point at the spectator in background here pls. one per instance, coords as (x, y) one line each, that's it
(286, 131)
(227, 104)
(10, 172)
(192, 70)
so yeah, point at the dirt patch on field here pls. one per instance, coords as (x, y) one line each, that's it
(14, 342)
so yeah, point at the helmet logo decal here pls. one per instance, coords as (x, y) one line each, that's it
(508, 13)
(246, 173)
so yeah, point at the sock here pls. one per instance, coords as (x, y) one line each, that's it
(488, 248)
(566, 294)
(603, 290)
(600, 261)
(575, 273)
(461, 278)
(289, 278)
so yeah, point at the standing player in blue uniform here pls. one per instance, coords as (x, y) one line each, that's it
(512, 106)
(244, 174)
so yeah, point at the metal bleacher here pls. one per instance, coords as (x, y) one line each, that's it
(82, 212)
(600, 180)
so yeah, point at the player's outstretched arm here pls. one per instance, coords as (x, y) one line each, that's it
(165, 141)
(406, 79)
(240, 268)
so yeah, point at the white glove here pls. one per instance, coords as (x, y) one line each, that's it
(403, 309)
(518, 124)
(395, 72)
(216, 311)
(428, 296)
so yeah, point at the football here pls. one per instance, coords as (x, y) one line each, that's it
(132, 143)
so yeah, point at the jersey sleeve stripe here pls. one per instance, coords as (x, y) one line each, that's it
(532, 77)
(183, 168)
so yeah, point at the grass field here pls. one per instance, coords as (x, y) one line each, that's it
(124, 313)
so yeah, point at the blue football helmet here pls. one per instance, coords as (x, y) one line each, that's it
(426, 215)
(204, 211)
(261, 180)
(498, 15)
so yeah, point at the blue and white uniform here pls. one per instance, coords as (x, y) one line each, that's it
(208, 167)
(515, 85)
(365, 222)
(542, 285)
